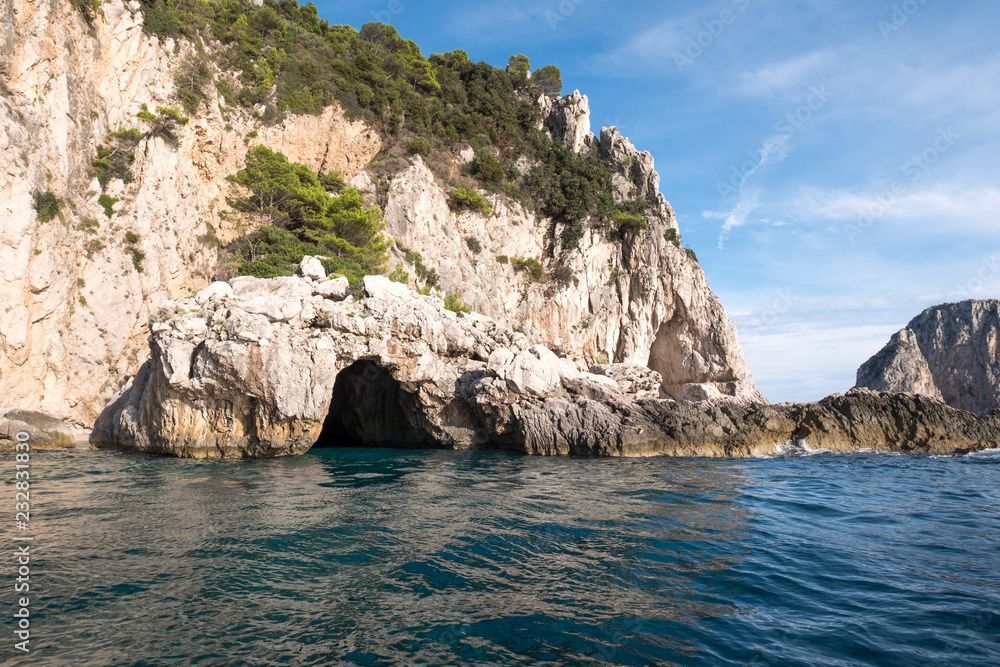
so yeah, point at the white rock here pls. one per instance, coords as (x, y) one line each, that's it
(535, 371)
(217, 290)
(312, 267)
(380, 287)
(335, 289)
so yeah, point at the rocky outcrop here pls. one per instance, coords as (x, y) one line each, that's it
(948, 352)
(642, 301)
(272, 367)
(13, 432)
(568, 121)
(73, 305)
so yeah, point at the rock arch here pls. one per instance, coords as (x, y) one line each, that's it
(371, 408)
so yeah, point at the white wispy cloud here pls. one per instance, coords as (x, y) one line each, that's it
(959, 206)
(791, 74)
(772, 151)
(651, 50)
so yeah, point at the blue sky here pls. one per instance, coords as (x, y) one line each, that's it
(835, 165)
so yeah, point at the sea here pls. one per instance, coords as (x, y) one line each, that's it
(423, 557)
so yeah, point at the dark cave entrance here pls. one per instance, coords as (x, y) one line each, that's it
(370, 408)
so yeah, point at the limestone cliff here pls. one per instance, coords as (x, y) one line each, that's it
(73, 306)
(270, 367)
(948, 352)
(640, 301)
(76, 297)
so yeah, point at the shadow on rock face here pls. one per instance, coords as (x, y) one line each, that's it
(370, 408)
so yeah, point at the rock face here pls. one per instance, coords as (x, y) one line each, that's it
(948, 352)
(272, 367)
(76, 296)
(73, 307)
(642, 301)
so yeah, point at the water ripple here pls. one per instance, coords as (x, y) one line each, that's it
(377, 557)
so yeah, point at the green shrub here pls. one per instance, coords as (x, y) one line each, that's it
(107, 202)
(690, 253)
(145, 114)
(454, 304)
(47, 205)
(671, 236)
(551, 79)
(529, 265)
(290, 196)
(563, 275)
(519, 64)
(137, 257)
(88, 8)
(473, 244)
(192, 79)
(83, 301)
(419, 146)
(628, 222)
(93, 246)
(462, 198)
(399, 275)
(115, 160)
(131, 237)
(487, 168)
(129, 134)
(164, 123)
(209, 238)
(89, 225)
(428, 276)
(332, 182)
(503, 259)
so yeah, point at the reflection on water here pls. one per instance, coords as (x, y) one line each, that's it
(446, 558)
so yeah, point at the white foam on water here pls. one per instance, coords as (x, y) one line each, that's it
(989, 454)
(791, 449)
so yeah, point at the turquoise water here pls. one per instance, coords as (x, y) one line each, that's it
(378, 557)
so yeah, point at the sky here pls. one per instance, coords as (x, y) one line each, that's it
(835, 165)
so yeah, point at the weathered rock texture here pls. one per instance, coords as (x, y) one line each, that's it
(947, 352)
(73, 308)
(13, 432)
(270, 367)
(641, 301)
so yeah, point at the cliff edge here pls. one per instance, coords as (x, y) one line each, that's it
(948, 352)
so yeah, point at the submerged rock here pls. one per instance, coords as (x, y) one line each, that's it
(948, 352)
(277, 368)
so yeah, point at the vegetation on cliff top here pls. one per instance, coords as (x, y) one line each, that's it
(287, 59)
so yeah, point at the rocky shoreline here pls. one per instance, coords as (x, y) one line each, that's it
(260, 368)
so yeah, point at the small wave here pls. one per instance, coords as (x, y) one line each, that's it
(985, 455)
(791, 449)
